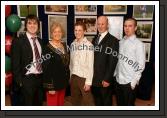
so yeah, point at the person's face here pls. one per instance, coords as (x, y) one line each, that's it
(57, 33)
(129, 28)
(32, 27)
(102, 24)
(79, 32)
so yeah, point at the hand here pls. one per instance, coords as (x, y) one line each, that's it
(20, 84)
(105, 84)
(52, 92)
(86, 88)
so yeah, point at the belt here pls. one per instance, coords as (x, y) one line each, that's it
(34, 75)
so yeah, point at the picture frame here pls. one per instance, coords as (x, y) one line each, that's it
(24, 10)
(21, 30)
(144, 30)
(59, 19)
(143, 12)
(147, 51)
(114, 9)
(116, 26)
(85, 9)
(90, 22)
(56, 9)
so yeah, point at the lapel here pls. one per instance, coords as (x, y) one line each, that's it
(93, 41)
(27, 45)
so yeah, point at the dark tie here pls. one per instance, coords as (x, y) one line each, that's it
(37, 56)
(97, 39)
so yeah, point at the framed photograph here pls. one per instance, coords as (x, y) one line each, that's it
(143, 12)
(147, 50)
(56, 9)
(59, 19)
(24, 10)
(90, 22)
(86, 9)
(21, 30)
(90, 38)
(115, 9)
(116, 26)
(144, 30)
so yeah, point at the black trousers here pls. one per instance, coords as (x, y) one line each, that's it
(125, 95)
(16, 96)
(32, 90)
(102, 96)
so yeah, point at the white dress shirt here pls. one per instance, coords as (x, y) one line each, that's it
(82, 59)
(32, 69)
(102, 36)
(131, 61)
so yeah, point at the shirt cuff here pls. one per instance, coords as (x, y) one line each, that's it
(88, 82)
(133, 83)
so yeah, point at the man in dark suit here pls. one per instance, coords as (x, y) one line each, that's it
(105, 59)
(26, 63)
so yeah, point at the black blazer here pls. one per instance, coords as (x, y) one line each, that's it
(21, 56)
(55, 69)
(104, 61)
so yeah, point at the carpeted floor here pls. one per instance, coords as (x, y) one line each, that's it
(139, 102)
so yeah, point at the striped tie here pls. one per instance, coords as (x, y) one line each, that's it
(37, 55)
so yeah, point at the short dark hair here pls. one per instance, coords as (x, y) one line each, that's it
(32, 17)
(133, 19)
(79, 23)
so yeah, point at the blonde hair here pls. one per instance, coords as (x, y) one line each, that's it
(54, 26)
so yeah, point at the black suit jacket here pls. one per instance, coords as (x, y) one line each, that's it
(21, 56)
(104, 60)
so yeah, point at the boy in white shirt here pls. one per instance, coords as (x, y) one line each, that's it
(81, 67)
(130, 65)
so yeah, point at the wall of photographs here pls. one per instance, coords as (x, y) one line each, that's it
(67, 15)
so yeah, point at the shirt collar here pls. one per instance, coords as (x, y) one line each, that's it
(82, 40)
(29, 35)
(103, 34)
(133, 37)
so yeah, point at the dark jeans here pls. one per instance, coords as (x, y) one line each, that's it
(125, 95)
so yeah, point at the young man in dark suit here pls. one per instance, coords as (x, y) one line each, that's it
(26, 63)
(104, 63)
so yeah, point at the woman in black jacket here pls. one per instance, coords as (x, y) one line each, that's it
(55, 67)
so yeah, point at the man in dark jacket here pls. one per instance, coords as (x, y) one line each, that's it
(105, 45)
(26, 63)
